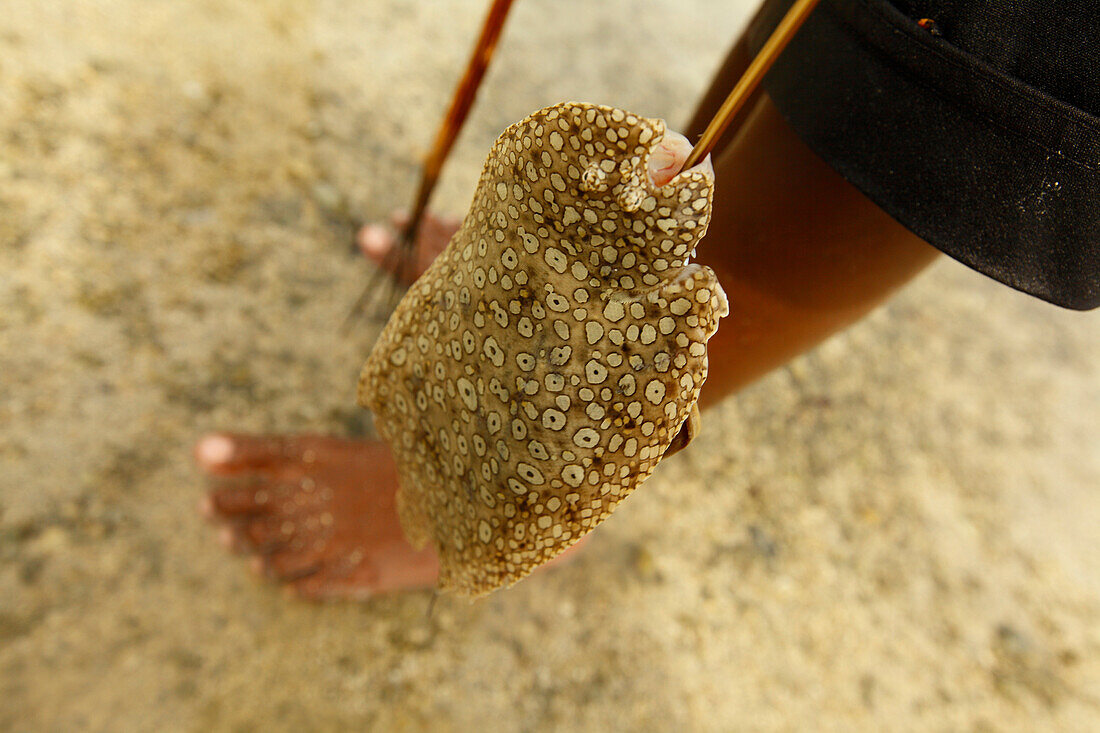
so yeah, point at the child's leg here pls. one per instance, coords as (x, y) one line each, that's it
(800, 252)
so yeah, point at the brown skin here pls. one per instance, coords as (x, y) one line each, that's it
(800, 252)
(358, 549)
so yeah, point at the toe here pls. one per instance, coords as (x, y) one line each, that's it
(321, 587)
(375, 242)
(289, 566)
(265, 535)
(240, 536)
(227, 453)
(230, 537)
(236, 501)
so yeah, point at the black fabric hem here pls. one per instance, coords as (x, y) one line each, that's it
(993, 172)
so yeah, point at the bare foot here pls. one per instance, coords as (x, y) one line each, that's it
(377, 242)
(317, 513)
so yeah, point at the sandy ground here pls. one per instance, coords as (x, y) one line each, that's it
(897, 532)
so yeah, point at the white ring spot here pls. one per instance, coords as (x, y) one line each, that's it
(586, 438)
(530, 474)
(553, 419)
(595, 372)
(466, 391)
(572, 474)
(556, 259)
(655, 391)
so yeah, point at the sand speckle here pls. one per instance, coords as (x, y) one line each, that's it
(895, 532)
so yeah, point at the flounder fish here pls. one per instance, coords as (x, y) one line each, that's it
(548, 359)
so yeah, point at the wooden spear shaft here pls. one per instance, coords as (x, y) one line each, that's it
(750, 80)
(461, 103)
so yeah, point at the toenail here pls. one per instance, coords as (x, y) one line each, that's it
(215, 449)
(226, 538)
(373, 239)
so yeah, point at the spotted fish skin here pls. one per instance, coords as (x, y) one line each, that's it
(537, 372)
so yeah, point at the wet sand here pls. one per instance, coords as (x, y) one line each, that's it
(896, 532)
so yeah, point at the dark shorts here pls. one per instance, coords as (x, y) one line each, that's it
(978, 128)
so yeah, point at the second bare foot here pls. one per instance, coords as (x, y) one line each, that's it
(377, 243)
(316, 513)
